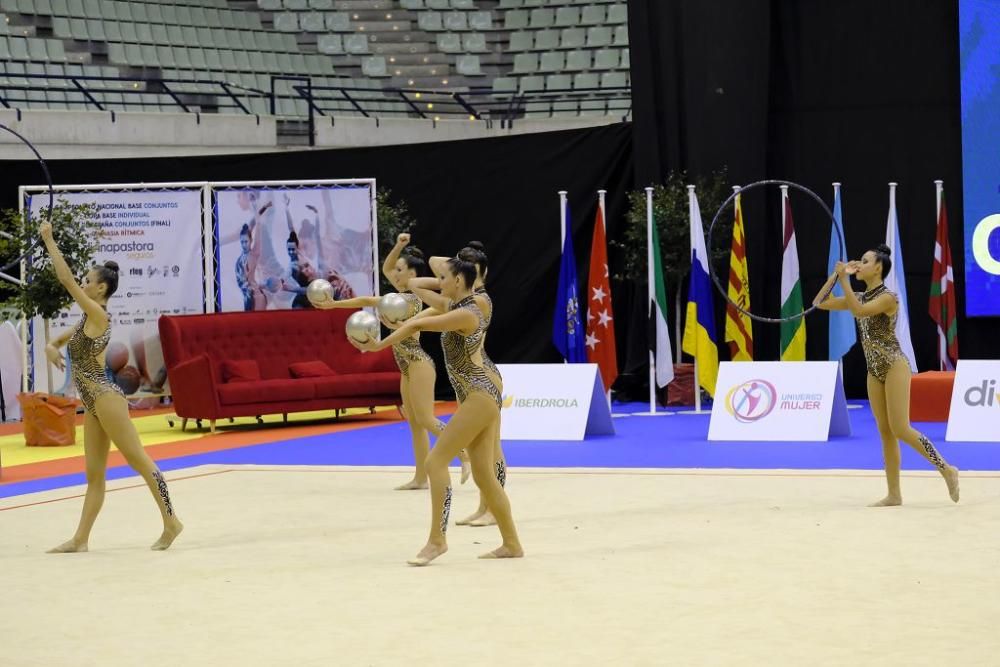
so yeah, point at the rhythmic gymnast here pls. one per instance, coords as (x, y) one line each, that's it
(106, 417)
(473, 425)
(888, 370)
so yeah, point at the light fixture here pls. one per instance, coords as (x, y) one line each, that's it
(430, 105)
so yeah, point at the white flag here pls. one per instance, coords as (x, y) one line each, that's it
(896, 281)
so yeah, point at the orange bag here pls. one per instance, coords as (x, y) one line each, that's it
(49, 420)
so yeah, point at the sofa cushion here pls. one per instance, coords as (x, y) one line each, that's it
(240, 370)
(310, 369)
(266, 391)
(367, 384)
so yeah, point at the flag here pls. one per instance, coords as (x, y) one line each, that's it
(567, 327)
(600, 321)
(739, 329)
(699, 325)
(843, 334)
(793, 332)
(659, 335)
(896, 281)
(942, 304)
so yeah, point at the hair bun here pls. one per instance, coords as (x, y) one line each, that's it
(112, 265)
(476, 245)
(883, 249)
(414, 251)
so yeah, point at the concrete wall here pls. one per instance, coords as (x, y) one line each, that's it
(94, 134)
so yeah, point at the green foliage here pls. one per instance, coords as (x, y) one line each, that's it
(393, 220)
(670, 210)
(77, 232)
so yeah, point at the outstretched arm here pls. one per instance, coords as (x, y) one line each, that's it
(95, 312)
(456, 320)
(389, 264)
(356, 302)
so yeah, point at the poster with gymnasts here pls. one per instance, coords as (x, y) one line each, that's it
(272, 241)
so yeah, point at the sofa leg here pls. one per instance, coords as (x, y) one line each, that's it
(284, 417)
(184, 423)
(260, 420)
(211, 426)
(371, 409)
(232, 420)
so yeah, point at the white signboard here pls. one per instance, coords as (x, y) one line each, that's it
(775, 400)
(156, 238)
(553, 402)
(975, 402)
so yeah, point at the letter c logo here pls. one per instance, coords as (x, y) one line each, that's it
(980, 244)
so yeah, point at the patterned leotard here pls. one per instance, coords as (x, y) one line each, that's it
(467, 376)
(487, 362)
(85, 363)
(408, 350)
(878, 336)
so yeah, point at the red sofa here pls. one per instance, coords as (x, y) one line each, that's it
(248, 364)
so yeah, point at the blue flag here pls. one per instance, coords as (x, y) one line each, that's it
(568, 334)
(843, 335)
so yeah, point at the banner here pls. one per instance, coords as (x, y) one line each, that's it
(975, 402)
(272, 241)
(775, 400)
(156, 238)
(553, 402)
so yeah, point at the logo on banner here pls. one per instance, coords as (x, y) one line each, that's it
(751, 401)
(982, 395)
(510, 401)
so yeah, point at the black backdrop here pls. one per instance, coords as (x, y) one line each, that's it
(858, 91)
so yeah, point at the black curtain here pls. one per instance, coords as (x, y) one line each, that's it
(501, 191)
(858, 91)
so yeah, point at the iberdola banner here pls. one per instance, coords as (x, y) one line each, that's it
(156, 238)
(975, 402)
(553, 402)
(273, 241)
(775, 400)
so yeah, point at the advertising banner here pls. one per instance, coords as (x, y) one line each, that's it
(975, 402)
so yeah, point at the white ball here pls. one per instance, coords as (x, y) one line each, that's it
(319, 291)
(393, 308)
(362, 326)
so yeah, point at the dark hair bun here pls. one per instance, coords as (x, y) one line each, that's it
(111, 265)
(476, 245)
(414, 251)
(883, 249)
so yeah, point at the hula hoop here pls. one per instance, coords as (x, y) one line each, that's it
(48, 180)
(732, 197)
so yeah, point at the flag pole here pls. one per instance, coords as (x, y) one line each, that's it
(604, 218)
(942, 341)
(562, 219)
(650, 287)
(697, 383)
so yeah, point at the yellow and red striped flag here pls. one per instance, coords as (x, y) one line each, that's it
(739, 328)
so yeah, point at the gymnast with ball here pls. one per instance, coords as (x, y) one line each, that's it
(106, 417)
(473, 425)
(403, 264)
(888, 370)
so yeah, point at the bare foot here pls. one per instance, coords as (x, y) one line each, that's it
(412, 485)
(888, 501)
(427, 554)
(951, 478)
(170, 533)
(472, 517)
(70, 547)
(504, 552)
(487, 519)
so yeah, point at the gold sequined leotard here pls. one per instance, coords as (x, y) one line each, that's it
(86, 364)
(408, 350)
(878, 336)
(467, 376)
(487, 362)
